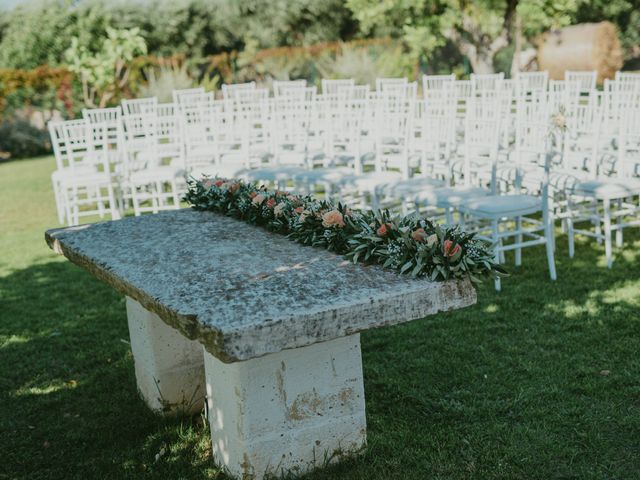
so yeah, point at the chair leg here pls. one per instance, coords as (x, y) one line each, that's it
(598, 225)
(176, 196)
(570, 232)
(113, 208)
(498, 252)
(135, 201)
(619, 239)
(519, 241)
(549, 235)
(607, 232)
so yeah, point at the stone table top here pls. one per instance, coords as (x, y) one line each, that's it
(242, 291)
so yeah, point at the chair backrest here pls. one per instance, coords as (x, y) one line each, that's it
(229, 90)
(383, 84)
(487, 81)
(532, 81)
(58, 144)
(106, 128)
(331, 86)
(140, 106)
(284, 87)
(586, 80)
(179, 95)
(436, 82)
(78, 140)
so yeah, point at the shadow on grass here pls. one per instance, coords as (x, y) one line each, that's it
(540, 380)
(68, 401)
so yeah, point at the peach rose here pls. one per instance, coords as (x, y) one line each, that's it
(252, 195)
(298, 210)
(419, 235)
(383, 229)
(234, 187)
(450, 249)
(258, 199)
(271, 202)
(333, 219)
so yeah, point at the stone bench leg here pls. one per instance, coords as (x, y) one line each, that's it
(287, 412)
(169, 366)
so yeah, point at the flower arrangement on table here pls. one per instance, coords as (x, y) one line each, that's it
(409, 244)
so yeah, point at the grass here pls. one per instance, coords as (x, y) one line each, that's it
(540, 381)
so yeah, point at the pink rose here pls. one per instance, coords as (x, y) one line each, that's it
(271, 202)
(258, 199)
(332, 219)
(219, 183)
(432, 239)
(450, 249)
(207, 184)
(298, 210)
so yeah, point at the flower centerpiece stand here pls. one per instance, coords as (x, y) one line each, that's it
(264, 328)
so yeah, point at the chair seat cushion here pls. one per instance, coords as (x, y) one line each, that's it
(85, 179)
(408, 189)
(450, 196)
(323, 175)
(607, 188)
(496, 206)
(156, 174)
(70, 173)
(279, 173)
(369, 182)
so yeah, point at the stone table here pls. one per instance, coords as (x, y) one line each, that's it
(268, 328)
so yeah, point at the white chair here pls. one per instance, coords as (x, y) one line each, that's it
(283, 87)
(586, 80)
(229, 90)
(487, 81)
(509, 216)
(331, 86)
(82, 183)
(431, 83)
(151, 184)
(179, 96)
(383, 84)
(140, 106)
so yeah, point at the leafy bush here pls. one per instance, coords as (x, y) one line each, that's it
(364, 65)
(164, 80)
(19, 138)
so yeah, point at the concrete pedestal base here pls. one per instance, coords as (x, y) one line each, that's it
(287, 412)
(169, 366)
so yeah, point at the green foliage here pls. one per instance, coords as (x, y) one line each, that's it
(410, 245)
(20, 139)
(106, 70)
(40, 31)
(482, 28)
(163, 81)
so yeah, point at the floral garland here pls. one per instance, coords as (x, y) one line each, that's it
(411, 244)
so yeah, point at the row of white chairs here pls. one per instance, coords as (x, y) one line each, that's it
(476, 151)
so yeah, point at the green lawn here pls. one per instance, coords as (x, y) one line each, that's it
(540, 381)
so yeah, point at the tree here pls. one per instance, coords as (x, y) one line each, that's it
(105, 72)
(478, 28)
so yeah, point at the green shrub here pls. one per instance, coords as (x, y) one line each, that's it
(18, 139)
